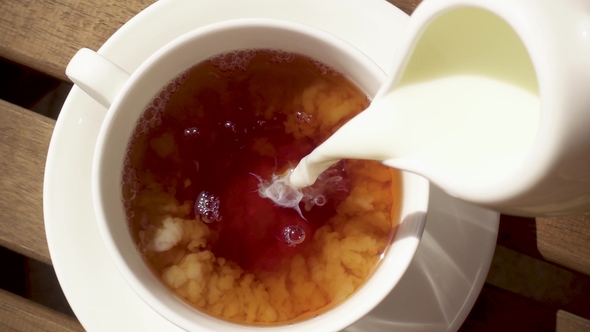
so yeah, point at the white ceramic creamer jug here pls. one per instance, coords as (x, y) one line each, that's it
(490, 100)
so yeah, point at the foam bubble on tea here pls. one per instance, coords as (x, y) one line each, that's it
(197, 179)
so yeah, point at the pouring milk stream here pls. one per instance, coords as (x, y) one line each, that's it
(482, 103)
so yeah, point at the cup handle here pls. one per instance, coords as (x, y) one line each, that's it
(100, 78)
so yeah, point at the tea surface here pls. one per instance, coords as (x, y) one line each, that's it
(194, 164)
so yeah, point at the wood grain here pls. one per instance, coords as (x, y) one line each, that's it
(19, 314)
(567, 322)
(45, 34)
(566, 241)
(24, 140)
(407, 6)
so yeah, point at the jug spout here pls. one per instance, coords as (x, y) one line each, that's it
(363, 137)
(488, 100)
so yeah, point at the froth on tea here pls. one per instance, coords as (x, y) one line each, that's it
(194, 164)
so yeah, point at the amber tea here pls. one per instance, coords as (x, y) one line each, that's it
(190, 186)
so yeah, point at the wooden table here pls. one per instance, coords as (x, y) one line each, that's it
(539, 276)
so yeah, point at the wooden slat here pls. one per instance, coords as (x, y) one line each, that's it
(45, 34)
(24, 140)
(566, 241)
(407, 6)
(567, 322)
(561, 240)
(19, 314)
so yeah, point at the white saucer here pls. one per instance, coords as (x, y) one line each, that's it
(436, 293)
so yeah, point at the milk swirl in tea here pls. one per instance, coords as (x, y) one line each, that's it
(200, 153)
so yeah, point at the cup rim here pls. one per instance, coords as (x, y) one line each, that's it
(130, 264)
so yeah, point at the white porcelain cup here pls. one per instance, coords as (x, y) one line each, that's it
(126, 96)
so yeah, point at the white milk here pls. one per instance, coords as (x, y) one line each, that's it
(465, 109)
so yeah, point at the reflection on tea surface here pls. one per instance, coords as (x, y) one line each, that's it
(190, 186)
